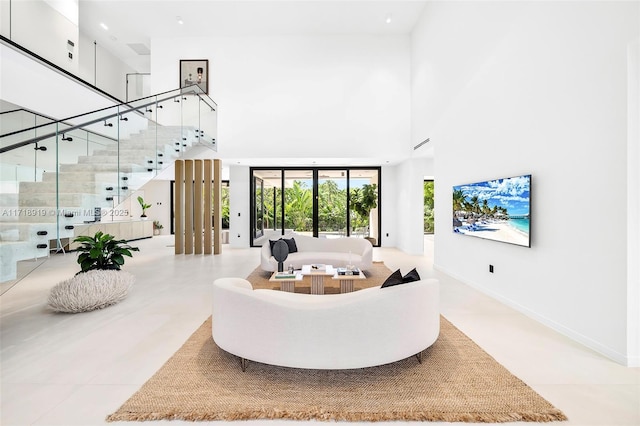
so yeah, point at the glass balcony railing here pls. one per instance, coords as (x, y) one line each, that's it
(55, 174)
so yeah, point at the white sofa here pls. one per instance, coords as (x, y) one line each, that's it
(365, 328)
(330, 251)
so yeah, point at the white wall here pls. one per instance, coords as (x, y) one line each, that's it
(158, 194)
(39, 27)
(45, 27)
(239, 206)
(389, 206)
(300, 96)
(541, 88)
(99, 67)
(633, 206)
(36, 87)
(409, 194)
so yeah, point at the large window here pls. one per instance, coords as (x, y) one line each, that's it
(321, 202)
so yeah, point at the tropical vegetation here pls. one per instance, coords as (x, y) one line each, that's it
(102, 251)
(428, 189)
(332, 206)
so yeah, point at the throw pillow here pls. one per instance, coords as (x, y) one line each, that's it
(411, 276)
(393, 279)
(291, 243)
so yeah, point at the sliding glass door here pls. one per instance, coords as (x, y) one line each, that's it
(320, 202)
(267, 205)
(364, 207)
(332, 203)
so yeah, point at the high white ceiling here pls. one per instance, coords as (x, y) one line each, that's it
(136, 22)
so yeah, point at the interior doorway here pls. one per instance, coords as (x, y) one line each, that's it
(429, 223)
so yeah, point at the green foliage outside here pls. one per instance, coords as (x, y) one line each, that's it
(224, 199)
(298, 207)
(429, 227)
(362, 201)
(102, 251)
(332, 207)
(225, 207)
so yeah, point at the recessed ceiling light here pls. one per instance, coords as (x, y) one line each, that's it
(388, 20)
(179, 19)
(104, 27)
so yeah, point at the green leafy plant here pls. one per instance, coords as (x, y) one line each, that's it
(157, 224)
(144, 206)
(102, 251)
(363, 200)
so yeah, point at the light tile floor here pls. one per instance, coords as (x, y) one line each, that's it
(76, 369)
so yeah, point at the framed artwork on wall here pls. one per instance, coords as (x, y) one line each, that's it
(195, 71)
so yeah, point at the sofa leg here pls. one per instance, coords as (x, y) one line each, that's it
(419, 357)
(243, 364)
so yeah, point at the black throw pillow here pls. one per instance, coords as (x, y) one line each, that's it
(411, 276)
(292, 245)
(271, 243)
(393, 279)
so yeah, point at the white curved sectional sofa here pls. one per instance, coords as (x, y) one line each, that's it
(365, 328)
(329, 251)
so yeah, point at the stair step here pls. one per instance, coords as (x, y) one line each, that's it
(11, 252)
(111, 159)
(99, 178)
(108, 167)
(73, 200)
(30, 220)
(22, 231)
(68, 186)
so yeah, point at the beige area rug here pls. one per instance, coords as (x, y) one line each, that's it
(456, 382)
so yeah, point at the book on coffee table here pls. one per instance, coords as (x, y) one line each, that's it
(345, 271)
(284, 275)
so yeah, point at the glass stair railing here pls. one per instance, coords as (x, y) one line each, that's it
(55, 175)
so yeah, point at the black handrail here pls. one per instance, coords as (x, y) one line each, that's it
(53, 120)
(29, 111)
(193, 88)
(71, 128)
(102, 118)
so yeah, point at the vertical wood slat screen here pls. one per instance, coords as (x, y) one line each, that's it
(194, 206)
(178, 207)
(188, 206)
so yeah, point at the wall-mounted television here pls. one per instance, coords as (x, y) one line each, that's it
(498, 210)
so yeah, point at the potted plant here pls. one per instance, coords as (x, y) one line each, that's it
(157, 226)
(100, 281)
(144, 206)
(362, 201)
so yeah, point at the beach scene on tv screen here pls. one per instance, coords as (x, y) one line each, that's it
(496, 210)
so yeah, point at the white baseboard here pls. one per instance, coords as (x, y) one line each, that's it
(565, 331)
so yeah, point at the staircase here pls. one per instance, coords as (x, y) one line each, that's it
(33, 222)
